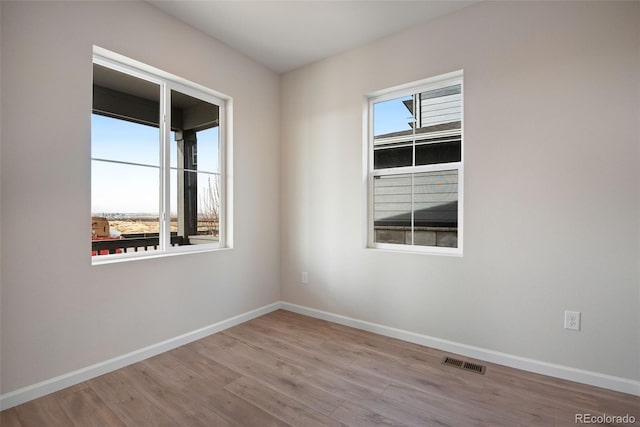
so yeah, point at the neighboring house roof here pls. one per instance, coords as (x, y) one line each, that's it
(429, 132)
(422, 131)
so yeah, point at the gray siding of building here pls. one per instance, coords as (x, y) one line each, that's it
(441, 106)
(435, 199)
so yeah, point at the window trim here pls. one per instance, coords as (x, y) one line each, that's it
(168, 82)
(409, 89)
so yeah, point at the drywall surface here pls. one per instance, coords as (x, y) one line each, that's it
(60, 313)
(551, 203)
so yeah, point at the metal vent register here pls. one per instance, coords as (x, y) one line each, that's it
(461, 364)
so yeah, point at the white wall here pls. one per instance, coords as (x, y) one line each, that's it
(59, 313)
(552, 177)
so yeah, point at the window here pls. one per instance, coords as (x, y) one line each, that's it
(157, 162)
(415, 166)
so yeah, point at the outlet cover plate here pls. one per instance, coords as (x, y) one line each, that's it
(572, 320)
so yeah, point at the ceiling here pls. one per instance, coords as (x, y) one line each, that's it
(284, 35)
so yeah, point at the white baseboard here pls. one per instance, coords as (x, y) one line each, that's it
(52, 385)
(558, 371)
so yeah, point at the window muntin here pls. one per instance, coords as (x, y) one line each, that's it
(157, 164)
(415, 167)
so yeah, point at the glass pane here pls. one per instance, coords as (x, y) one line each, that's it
(419, 209)
(124, 128)
(195, 167)
(392, 209)
(442, 150)
(124, 207)
(440, 110)
(124, 123)
(435, 203)
(393, 123)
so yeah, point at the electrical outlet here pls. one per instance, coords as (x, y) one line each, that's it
(572, 320)
(305, 278)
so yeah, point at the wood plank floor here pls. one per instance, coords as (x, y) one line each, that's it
(287, 369)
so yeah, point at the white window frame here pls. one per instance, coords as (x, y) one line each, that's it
(370, 173)
(168, 82)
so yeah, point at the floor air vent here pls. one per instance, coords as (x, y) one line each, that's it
(461, 364)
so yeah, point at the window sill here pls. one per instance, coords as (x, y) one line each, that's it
(416, 250)
(116, 259)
